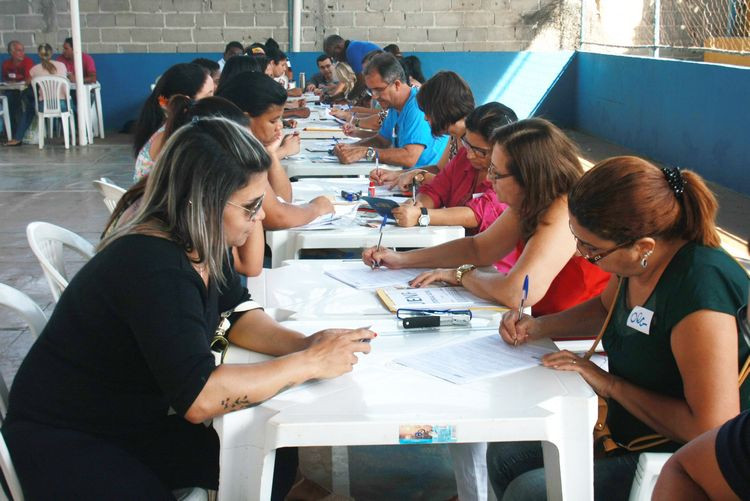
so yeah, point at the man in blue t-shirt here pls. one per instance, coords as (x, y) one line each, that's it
(405, 137)
(349, 51)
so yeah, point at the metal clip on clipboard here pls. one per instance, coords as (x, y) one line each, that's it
(417, 319)
(351, 196)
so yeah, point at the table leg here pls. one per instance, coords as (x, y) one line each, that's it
(569, 466)
(246, 473)
(277, 241)
(99, 116)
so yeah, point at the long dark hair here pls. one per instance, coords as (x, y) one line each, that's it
(253, 92)
(238, 64)
(414, 68)
(183, 78)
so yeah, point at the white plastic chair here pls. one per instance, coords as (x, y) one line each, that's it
(646, 475)
(52, 88)
(5, 112)
(47, 242)
(110, 191)
(33, 315)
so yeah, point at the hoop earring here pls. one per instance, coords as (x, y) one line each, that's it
(644, 259)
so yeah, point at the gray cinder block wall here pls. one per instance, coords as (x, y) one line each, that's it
(126, 26)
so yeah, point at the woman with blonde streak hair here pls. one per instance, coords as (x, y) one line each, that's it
(48, 67)
(114, 393)
(667, 323)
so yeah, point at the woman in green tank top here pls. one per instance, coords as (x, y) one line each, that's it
(671, 338)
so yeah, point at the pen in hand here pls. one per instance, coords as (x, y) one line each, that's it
(376, 264)
(413, 191)
(524, 296)
(365, 327)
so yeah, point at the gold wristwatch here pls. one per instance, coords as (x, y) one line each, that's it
(464, 268)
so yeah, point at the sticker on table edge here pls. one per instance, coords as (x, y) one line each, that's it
(426, 434)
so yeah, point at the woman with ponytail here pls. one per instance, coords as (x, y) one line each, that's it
(667, 324)
(47, 66)
(187, 79)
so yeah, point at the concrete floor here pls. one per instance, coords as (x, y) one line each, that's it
(54, 185)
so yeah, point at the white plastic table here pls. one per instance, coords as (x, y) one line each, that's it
(368, 406)
(286, 244)
(308, 163)
(302, 287)
(94, 88)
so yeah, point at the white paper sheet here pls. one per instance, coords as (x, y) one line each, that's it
(343, 216)
(363, 277)
(479, 358)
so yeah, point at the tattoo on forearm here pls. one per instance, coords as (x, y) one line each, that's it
(239, 403)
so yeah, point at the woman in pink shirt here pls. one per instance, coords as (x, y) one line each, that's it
(460, 194)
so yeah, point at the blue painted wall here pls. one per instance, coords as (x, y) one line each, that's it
(519, 79)
(695, 115)
(689, 114)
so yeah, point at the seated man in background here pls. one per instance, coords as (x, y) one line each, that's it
(405, 137)
(21, 102)
(89, 68)
(324, 77)
(232, 49)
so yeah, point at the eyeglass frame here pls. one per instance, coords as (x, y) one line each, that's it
(493, 175)
(252, 213)
(480, 152)
(598, 257)
(374, 93)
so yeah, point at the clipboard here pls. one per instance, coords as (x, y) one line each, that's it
(382, 206)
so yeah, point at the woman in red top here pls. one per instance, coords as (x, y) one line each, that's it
(533, 167)
(461, 194)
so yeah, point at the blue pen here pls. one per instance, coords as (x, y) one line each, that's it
(524, 296)
(376, 264)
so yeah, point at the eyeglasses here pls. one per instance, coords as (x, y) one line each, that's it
(377, 92)
(480, 152)
(597, 257)
(251, 209)
(493, 175)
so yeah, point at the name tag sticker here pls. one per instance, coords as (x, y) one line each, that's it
(640, 319)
